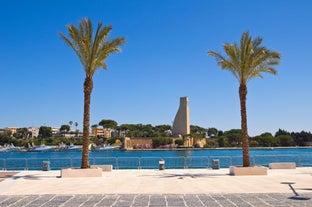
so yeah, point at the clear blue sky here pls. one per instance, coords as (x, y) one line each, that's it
(165, 58)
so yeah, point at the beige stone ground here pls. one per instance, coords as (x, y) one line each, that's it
(189, 181)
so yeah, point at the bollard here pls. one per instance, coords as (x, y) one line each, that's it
(45, 165)
(215, 164)
(161, 164)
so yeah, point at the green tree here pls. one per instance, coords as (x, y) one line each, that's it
(65, 128)
(246, 61)
(212, 143)
(107, 123)
(160, 141)
(21, 133)
(5, 138)
(234, 137)
(222, 141)
(212, 132)
(162, 130)
(301, 138)
(179, 142)
(266, 140)
(45, 131)
(70, 124)
(76, 125)
(281, 132)
(92, 51)
(285, 140)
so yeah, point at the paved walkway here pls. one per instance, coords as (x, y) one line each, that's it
(156, 200)
(192, 188)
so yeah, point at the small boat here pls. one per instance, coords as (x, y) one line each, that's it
(106, 147)
(73, 147)
(10, 148)
(43, 148)
(63, 147)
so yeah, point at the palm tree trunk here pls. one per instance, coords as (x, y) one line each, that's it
(242, 97)
(88, 86)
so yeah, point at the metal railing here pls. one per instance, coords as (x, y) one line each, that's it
(152, 162)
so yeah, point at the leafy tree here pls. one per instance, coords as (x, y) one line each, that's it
(212, 143)
(45, 131)
(234, 137)
(246, 61)
(301, 137)
(223, 141)
(213, 132)
(65, 128)
(281, 132)
(197, 132)
(233, 131)
(4, 138)
(285, 140)
(92, 50)
(266, 140)
(197, 129)
(70, 123)
(21, 133)
(162, 128)
(160, 141)
(179, 142)
(76, 125)
(107, 123)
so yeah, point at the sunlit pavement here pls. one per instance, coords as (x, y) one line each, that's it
(189, 187)
(138, 200)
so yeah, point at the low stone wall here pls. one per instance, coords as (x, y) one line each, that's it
(282, 165)
(253, 170)
(105, 168)
(77, 172)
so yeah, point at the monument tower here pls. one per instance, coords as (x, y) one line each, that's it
(181, 124)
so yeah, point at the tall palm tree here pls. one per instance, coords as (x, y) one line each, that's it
(70, 123)
(92, 51)
(76, 125)
(246, 61)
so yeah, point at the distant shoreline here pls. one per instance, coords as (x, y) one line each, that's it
(218, 148)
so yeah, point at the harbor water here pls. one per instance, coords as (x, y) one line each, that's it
(174, 159)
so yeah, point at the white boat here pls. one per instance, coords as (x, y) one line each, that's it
(63, 147)
(73, 147)
(10, 148)
(107, 147)
(42, 148)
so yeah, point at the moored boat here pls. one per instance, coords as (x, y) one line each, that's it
(63, 147)
(43, 148)
(106, 147)
(10, 148)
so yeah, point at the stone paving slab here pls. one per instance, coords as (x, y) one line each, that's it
(157, 200)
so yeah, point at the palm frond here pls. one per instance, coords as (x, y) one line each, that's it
(248, 60)
(91, 50)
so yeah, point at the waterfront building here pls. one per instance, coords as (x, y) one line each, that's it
(11, 130)
(34, 132)
(55, 131)
(101, 132)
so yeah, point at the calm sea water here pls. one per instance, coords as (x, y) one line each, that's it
(149, 159)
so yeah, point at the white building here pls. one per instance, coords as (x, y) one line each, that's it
(34, 132)
(55, 131)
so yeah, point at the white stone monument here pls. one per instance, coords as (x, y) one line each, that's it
(181, 124)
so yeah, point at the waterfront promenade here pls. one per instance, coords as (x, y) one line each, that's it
(188, 187)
